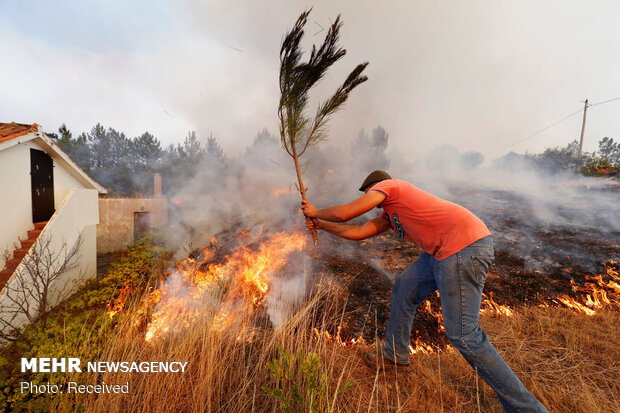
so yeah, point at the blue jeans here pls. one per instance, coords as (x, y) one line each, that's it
(460, 279)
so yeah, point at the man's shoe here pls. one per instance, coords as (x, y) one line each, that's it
(379, 362)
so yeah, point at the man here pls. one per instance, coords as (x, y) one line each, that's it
(458, 250)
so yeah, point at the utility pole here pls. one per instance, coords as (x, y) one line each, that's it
(583, 128)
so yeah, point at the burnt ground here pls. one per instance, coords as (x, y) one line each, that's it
(535, 262)
(552, 236)
(368, 269)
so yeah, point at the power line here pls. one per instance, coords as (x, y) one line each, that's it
(545, 128)
(555, 123)
(606, 101)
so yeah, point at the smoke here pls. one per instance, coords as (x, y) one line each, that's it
(255, 191)
(257, 188)
(544, 216)
(286, 294)
(235, 192)
(548, 217)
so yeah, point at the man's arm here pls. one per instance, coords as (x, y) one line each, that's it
(341, 213)
(353, 232)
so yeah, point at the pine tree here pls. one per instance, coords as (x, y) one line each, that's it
(214, 150)
(609, 151)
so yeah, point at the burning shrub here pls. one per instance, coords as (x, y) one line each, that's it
(599, 166)
(130, 274)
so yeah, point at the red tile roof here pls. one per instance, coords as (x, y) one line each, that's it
(13, 130)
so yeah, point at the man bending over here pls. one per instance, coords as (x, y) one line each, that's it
(458, 250)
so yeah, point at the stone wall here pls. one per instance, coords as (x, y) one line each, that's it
(117, 216)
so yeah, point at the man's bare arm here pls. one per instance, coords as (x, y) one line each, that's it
(353, 232)
(341, 213)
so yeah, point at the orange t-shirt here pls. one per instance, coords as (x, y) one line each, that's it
(441, 228)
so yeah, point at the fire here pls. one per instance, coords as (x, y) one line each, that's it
(330, 171)
(488, 304)
(426, 306)
(612, 269)
(595, 295)
(177, 201)
(281, 191)
(420, 348)
(117, 305)
(576, 305)
(241, 280)
(325, 336)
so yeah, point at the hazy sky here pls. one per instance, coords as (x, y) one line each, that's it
(479, 75)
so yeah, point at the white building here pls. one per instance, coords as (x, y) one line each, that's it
(48, 201)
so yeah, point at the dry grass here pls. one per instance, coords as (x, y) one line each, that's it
(568, 360)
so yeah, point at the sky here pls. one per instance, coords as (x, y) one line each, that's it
(478, 75)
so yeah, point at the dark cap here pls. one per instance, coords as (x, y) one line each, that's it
(373, 178)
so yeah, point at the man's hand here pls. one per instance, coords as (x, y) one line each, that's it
(308, 209)
(312, 224)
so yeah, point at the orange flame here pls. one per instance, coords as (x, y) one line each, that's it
(243, 279)
(426, 306)
(119, 304)
(595, 295)
(488, 304)
(420, 348)
(327, 337)
(576, 305)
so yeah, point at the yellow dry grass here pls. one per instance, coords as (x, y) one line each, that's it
(570, 361)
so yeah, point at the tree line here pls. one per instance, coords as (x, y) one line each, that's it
(125, 165)
(604, 161)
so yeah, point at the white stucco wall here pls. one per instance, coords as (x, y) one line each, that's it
(16, 204)
(77, 215)
(63, 182)
(87, 267)
(15, 186)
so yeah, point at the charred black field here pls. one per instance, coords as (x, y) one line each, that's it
(536, 263)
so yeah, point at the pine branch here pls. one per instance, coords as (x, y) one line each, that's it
(297, 79)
